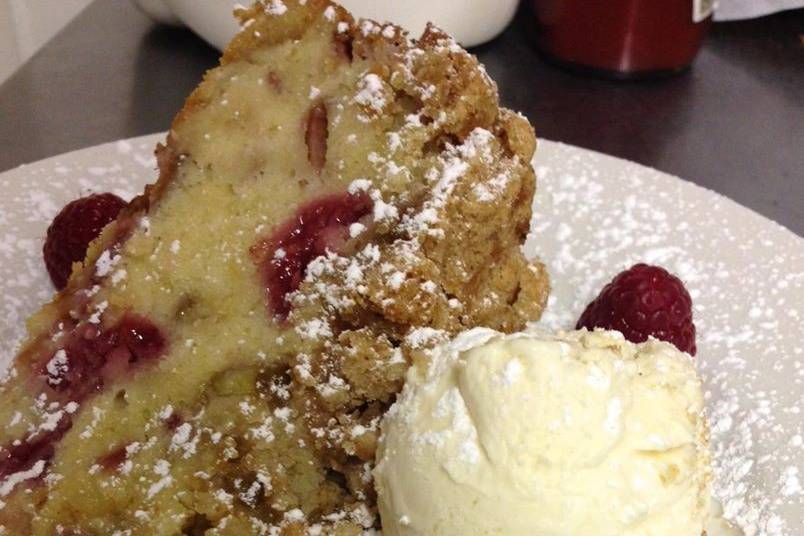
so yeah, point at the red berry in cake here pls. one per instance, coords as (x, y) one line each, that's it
(88, 361)
(92, 357)
(69, 235)
(22, 455)
(644, 301)
(112, 460)
(320, 226)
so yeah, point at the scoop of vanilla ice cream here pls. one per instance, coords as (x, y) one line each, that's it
(578, 434)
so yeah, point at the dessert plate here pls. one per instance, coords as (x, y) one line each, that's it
(594, 216)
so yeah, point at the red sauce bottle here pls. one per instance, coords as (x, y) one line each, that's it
(623, 38)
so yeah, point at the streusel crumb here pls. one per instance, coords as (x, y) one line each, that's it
(332, 199)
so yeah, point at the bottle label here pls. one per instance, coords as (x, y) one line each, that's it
(702, 9)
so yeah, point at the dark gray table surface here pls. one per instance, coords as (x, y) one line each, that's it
(734, 123)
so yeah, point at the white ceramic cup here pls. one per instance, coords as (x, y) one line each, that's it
(471, 22)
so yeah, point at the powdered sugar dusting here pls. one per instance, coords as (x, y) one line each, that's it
(275, 7)
(21, 476)
(370, 94)
(595, 216)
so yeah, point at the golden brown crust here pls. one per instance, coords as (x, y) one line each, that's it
(266, 25)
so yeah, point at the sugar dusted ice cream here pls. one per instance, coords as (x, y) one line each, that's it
(570, 435)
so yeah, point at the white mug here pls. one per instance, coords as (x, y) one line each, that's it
(471, 22)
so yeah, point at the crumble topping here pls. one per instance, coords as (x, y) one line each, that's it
(265, 421)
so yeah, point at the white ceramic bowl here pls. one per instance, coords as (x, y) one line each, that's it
(471, 22)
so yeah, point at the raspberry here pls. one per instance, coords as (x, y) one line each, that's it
(644, 301)
(68, 237)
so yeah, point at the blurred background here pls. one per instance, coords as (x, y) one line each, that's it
(709, 91)
(26, 25)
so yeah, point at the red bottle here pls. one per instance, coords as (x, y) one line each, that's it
(623, 38)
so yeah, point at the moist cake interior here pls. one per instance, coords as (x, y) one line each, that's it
(332, 198)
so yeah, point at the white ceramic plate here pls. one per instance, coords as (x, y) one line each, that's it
(594, 216)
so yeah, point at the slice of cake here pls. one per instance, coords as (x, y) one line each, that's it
(328, 197)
